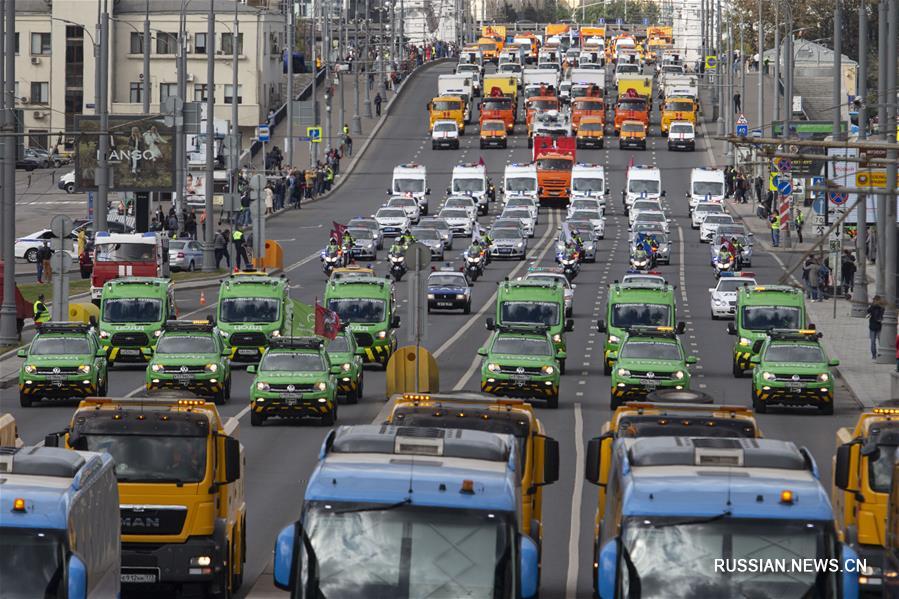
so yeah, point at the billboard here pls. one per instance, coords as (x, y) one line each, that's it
(195, 189)
(141, 153)
(808, 130)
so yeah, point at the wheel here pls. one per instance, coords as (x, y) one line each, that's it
(467, 309)
(505, 144)
(562, 366)
(714, 317)
(530, 142)
(737, 371)
(482, 145)
(602, 144)
(220, 398)
(607, 368)
(24, 400)
(330, 418)
(190, 267)
(256, 419)
(433, 146)
(237, 578)
(228, 390)
(70, 188)
(103, 388)
(552, 402)
(826, 408)
(31, 255)
(353, 396)
(758, 405)
(614, 402)
(429, 310)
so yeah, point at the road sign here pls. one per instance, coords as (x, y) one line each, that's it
(711, 63)
(838, 197)
(819, 207)
(871, 179)
(602, 20)
(262, 133)
(784, 187)
(783, 164)
(314, 134)
(742, 129)
(756, 133)
(773, 180)
(645, 21)
(836, 245)
(619, 21)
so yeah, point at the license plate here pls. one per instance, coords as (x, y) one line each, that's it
(246, 352)
(184, 377)
(795, 387)
(140, 576)
(291, 401)
(56, 378)
(650, 384)
(519, 379)
(129, 352)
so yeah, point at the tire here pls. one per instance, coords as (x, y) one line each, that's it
(353, 396)
(736, 370)
(606, 368)
(552, 402)
(331, 418)
(758, 406)
(614, 402)
(826, 409)
(103, 389)
(70, 188)
(256, 419)
(31, 256)
(530, 142)
(482, 145)
(467, 309)
(237, 579)
(24, 400)
(562, 366)
(433, 146)
(713, 316)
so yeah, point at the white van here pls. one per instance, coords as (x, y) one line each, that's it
(520, 179)
(411, 179)
(471, 179)
(643, 182)
(706, 185)
(589, 181)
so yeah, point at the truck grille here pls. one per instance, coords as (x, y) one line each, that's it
(251, 338)
(57, 370)
(524, 369)
(184, 369)
(644, 374)
(130, 340)
(803, 378)
(152, 520)
(297, 387)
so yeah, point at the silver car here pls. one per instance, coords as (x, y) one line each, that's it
(655, 218)
(439, 225)
(465, 202)
(371, 224)
(594, 217)
(459, 221)
(185, 254)
(432, 239)
(528, 222)
(364, 245)
(407, 203)
(526, 202)
(508, 242)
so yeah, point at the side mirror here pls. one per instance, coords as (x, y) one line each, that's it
(664, 193)
(550, 460)
(395, 322)
(692, 360)
(833, 362)
(233, 459)
(843, 466)
(601, 326)
(23, 353)
(284, 554)
(51, 440)
(491, 324)
(77, 578)
(711, 289)
(608, 191)
(681, 328)
(755, 360)
(428, 191)
(812, 326)
(757, 346)
(569, 324)
(731, 329)
(593, 460)
(606, 572)
(101, 353)
(529, 568)
(687, 195)
(447, 191)
(482, 351)
(251, 369)
(560, 355)
(574, 286)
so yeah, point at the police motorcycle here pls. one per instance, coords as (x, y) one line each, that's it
(332, 257)
(724, 261)
(475, 261)
(397, 256)
(569, 260)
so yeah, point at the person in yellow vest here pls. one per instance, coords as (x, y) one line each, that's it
(41, 313)
(774, 219)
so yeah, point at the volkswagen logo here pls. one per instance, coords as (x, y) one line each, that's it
(795, 377)
(520, 370)
(291, 388)
(56, 370)
(650, 375)
(184, 369)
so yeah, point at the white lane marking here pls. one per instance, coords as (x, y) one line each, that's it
(574, 529)
(681, 266)
(300, 263)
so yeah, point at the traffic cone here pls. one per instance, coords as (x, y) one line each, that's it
(202, 298)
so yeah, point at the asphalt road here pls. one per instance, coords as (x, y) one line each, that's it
(280, 457)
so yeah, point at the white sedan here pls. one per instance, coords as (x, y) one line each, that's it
(26, 247)
(524, 216)
(596, 218)
(459, 221)
(407, 203)
(557, 277)
(392, 221)
(710, 225)
(703, 209)
(724, 295)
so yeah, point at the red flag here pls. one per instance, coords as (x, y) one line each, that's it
(630, 163)
(327, 322)
(481, 161)
(337, 230)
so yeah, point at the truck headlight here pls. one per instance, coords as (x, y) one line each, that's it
(104, 335)
(744, 341)
(157, 332)
(212, 367)
(548, 369)
(493, 367)
(382, 334)
(557, 338)
(624, 372)
(346, 366)
(321, 386)
(201, 560)
(262, 386)
(30, 368)
(84, 368)
(678, 374)
(823, 377)
(223, 333)
(768, 376)
(614, 339)
(276, 333)
(156, 367)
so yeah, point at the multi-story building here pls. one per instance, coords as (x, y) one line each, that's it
(56, 68)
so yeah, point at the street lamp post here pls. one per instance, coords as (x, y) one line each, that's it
(357, 66)
(367, 61)
(8, 330)
(208, 224)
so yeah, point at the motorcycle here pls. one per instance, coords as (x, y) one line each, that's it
(724, 265)
(474, 266)
(570, 265)
(330, 261)
(397, 266)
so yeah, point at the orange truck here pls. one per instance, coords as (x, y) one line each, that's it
(586, 106)
(489, 48)
(556, 29)
(631, 107)
(554, 159)
(588, 32)
(500, 108)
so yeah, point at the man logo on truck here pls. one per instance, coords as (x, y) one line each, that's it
(138, 522)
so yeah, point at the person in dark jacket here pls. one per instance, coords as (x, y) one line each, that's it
(875, 323)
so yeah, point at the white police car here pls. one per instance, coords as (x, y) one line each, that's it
(724, 295)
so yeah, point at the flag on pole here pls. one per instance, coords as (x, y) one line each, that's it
(481, 161)
(566, 233)
(327, 322)
(337, 230)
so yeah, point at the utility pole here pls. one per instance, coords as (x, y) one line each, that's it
(367, 61)
(837, 100)
(234, 155)
(341, 112)
(100, 208)
(3, 140)
(313, 154)
(788, 112)
(761, 73)
(742, 66)
(885, 354)
(775, 110)
(729, 151)
(381, 87)
(145, 46)
(329, 86)
(882, 223)
(181, 141)
(860, 292)
(208, 225)
(358, 62)
(722, 102)
(8, 331)
(291, 32)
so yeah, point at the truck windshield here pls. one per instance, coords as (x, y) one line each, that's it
(529, 313)
(493, 126)
(185, 344)
(650, 350)
(286, 361)
(31, 563)
(668, 557)
(125, 252)
(544, 105)
(880, 471)
(644, 186)
(633, 128)
(132, 309)
(358, 310)
(497, 104)
(763, 318)
(59, 346)
(447, 105)
(466, 185)
(628, 315)
(249, 309)
(794, 353)
(679, 106)
(410, 185)
(638, 105)
(521, 184)
(367, 552)
(590, 126)
(704, 188)
(153, 458)
(587, 184)
(553, 164)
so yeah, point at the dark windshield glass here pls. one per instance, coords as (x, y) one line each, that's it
(445, 127)
(249, 309)
(132, 310)
(391, 213)
(704, 188)
(493, 126)
(455, 213)
(497, 104)
(404, 185)
(632, 128)
(521, 184)
(125, 252)
(367, 552)
(358, 310)
(588, 105)
(185, 344)
(529, 313)
(762, 318)
(588, 126)
(627, 315)
(880, 471)
(447, 105)
(31, 563)
(464, 185)
(586, 184)
(553, 164)
(681, 129)
(650, 350)
(446, 281)
(153, 458)
(338, 345)
(794, 353)
(643, 186)
(522, 346)
(292, 362)
(59, 346)
(680, 106)
(544, 104)
(505, 233)
(631, 105)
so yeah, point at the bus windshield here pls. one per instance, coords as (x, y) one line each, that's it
(31, 563)
(132, 309)
(125, 252)
(249, 309)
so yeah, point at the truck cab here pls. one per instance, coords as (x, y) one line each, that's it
(410, 496)
(555, 159)
(132, 312)
(670, 505)
(253, 308)
(677, 109)
(536, 104)
(59, 524)
(411, 178)
(369, 306)
(631, 106)
(127, 254)
(586, 106)
(444, 108)
(500, 108)
(180, 473)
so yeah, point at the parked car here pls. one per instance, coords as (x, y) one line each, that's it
(32, 160)
(67, 182)
(185, 254)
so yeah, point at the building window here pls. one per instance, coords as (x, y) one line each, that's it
(40, 92)
(137, 43)
(136, 94)
(227, 47)
(167, 90)
(16, 95)
(199, 92)
(40, 44)
(229, 93)
(200, 43)
(17, 42)
(166, 43)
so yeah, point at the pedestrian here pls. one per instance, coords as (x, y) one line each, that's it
(728, 181)
(269, 198)
(41, 313)
(219, 243)
(378, 101)
(774, 220)
(172, 224)
(348, 142)
(875, 322)
(226, 233)
(309, 176)
(847, 272)
(807, 267)
(190, 225)
(271, 117)
(767, 62)
(897, 352)
(345, 130)
(44, 268)
(240, 250)
(814, 274)
(824, 280)
(741, 187)
(799, 222)
(738, 108)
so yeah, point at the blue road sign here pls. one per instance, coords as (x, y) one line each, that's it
(262, 133)
(818, 204)
(314, 134)
(742, 130)
(304, 139)
(602, 20)
(784, 187)
(838, 197)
